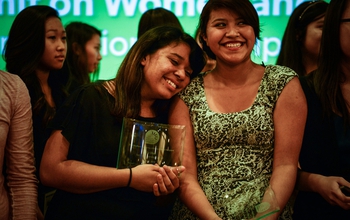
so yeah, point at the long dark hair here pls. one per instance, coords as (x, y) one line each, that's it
(243, 8)
(23, 51)
(130, 74)
(26, 43)
(329, 76)
(78, 34)
(294, 35)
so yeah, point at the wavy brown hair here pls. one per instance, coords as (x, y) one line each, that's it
(130, 74)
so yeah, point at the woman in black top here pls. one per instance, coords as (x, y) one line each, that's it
(81, 155)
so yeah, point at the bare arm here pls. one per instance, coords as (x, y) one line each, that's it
(191, 193)
(79, 177)
(289, 119)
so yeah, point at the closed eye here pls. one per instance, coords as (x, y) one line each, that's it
(174, 62)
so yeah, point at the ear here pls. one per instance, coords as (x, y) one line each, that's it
(144, 60)
(76, 49)
(204, 36)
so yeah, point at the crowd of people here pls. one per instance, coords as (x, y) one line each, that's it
(262, 141)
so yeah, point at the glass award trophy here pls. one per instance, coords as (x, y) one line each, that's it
(150, 143)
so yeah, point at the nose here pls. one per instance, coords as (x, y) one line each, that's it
(180, 74)
(99, 57)
(62, 45)
(233, 31)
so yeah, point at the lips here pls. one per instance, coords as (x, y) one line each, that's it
(171, 83)
(60, 57)
(233, 45)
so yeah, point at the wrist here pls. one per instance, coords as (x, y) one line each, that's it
(315, 179)
(130, 178)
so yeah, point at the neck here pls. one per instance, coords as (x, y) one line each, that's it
(238, 74)
(310, 64)
(146, 109)
(43, 76)
(45, 88)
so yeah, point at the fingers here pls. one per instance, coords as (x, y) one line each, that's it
(178, 170)
(167, 180)
(156, 190)
(339, 199)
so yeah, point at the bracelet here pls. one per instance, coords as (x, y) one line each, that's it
(130, 177)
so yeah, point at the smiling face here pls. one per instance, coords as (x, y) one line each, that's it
(55, 45)
(312, 41)
(166, 72)
(92, 48)
(229, 37)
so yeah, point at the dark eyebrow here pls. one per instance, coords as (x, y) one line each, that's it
(55, 30)
(177, 55)
(218, 20)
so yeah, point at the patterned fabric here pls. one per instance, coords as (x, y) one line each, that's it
(234, 150)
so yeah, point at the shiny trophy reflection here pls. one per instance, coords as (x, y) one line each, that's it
(150, 143)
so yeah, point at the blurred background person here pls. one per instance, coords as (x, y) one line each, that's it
(35, 47)
(302, 37)
(325, 153)
(83, 52)
(18, 184)
(157, 17)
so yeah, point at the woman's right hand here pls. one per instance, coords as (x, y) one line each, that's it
(328, 188)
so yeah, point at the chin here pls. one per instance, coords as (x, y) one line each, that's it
(164, 97)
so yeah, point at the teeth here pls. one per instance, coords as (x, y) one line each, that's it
(171, 83)
(234, 45)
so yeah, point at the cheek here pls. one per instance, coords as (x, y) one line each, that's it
(187, 81)
(47, 56)
(344, 39)
(345, 46)
(313, 40)
(91, 57)
(212, 37)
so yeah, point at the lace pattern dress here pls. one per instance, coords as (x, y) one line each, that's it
(234, 150)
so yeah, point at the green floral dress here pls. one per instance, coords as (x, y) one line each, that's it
(234, 150)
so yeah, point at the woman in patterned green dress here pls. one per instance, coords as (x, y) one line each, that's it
(244, 123)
